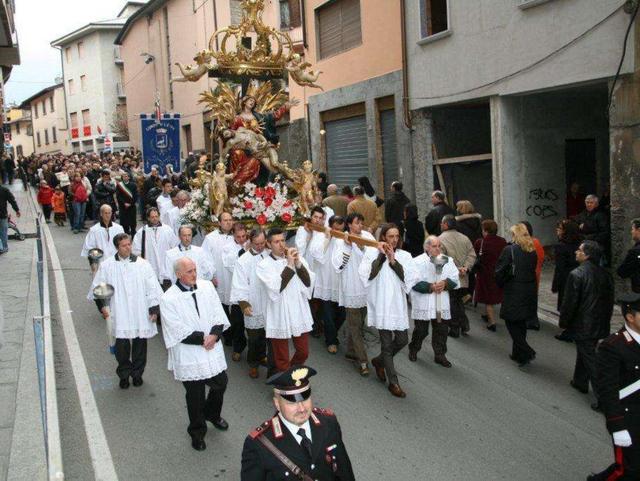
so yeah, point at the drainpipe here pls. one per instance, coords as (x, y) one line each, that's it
(303, 17)
(66, 107)
(405, 76)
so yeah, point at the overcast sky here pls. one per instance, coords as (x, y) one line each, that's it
(39, 22)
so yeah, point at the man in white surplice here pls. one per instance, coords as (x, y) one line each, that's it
(214, 244)
(193, 322)
(173, 216)
(289, 283)
(101, 234)
(304, 235)
(153, 240)
(387, 272)
(133, 307)
(250, 296)
(164, 201)
(429, 285)
(186, 249)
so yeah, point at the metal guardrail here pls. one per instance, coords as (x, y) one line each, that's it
(45, 359)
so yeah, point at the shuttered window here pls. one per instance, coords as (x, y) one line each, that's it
(389, 148)
(339, 27)
(347, 154)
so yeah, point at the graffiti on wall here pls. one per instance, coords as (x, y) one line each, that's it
(542, 203)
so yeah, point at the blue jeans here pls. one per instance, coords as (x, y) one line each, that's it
(78, 214)
(4, 234)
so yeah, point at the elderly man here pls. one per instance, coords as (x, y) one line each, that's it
(133, 307)
(186, 249)
(457, 246)
(338, 203)
(173, 217)
(587, 306)
(436, 274)
(365, 207)
(250, 297)
(306, 437)
(193, 321)
(594, 222)
(153, 240)
(286, 277)
(440, 208)
(101, 235)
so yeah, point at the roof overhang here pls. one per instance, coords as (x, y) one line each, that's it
(84, 31)
(148, 9)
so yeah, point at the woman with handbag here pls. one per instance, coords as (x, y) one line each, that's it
(516, 274)
(488, 250)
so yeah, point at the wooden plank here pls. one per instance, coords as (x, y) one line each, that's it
(466, 158)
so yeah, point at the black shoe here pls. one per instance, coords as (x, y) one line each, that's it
(137, 381)
(124, 383)
(454, 333)
(413, 356)
(491, 327)
(578, 388)
(198, 444)
(485, 318)
(564, 336)
(220, 424)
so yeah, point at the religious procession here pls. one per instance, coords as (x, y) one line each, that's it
(329, 220)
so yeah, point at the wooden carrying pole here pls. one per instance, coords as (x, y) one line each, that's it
(361, 241)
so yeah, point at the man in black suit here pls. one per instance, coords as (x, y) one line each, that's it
(300, 441)
(618, 384)
(440, 208)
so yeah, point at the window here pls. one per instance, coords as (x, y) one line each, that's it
(38, 139)
(72, 88)
(35, 110)
(236, 11)
(17, 128)
(83, 83)
(74, 119)
(46, 137)
(434, 17)
(290, 14)
(67, 54)
(51, 108)
(86, 117)
(80, 49)
(54, 135)
(339, 27)
(44, 107)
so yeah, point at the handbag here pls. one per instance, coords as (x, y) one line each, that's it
(475, 268)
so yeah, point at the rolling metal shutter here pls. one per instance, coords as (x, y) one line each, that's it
(347, 155)
(339, 27)
(389, 148)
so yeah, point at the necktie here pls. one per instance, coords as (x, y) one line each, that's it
(306, 442)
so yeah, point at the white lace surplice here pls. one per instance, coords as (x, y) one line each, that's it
(245, 286)
(387, 294)
(327, 285)
(352, 293)
(158, 241)
(204, 266)
(214, 244)
(423, 306)
(287, 313)
(180, 318)
(102, 238)
(136, 289)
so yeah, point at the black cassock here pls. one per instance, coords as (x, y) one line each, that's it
(618, 368)
(329, 460)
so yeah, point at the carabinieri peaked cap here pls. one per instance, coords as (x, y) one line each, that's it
(630, 300)
(293, 384)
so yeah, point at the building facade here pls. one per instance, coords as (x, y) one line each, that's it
(509, 104)
(93, 81)
(18, 125)
(49, 120)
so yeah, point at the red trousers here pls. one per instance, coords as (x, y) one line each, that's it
(280, 348)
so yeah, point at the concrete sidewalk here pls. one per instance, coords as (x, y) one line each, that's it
(22, 453)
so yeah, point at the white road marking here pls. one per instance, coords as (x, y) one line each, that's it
(101, 459)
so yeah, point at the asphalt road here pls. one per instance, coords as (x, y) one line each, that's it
(484, 419)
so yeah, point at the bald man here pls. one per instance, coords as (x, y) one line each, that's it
(335, 201)
(101, 235)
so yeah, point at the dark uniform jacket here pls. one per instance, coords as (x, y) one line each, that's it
(587, 305)
(630, 267)
(329, 461)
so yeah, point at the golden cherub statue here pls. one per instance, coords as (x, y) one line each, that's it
(305, 182)
(193, 73)
(219, 193)
(297, 69)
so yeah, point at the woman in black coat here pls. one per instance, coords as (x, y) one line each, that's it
(516, 274)
(569, 239)
(413, 231)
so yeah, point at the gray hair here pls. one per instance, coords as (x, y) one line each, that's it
(428, 242)
(449, 220)
(177, 265)
(185, 226)
(183, 194)
(104, 207)
(592, 197)
(439, 195)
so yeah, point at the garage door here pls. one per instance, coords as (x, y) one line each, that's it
(389, 148)
(347, 156)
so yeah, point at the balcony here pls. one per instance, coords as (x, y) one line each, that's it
(117, 58)
(120, 90)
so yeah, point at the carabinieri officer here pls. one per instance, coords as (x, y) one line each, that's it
(300, 441)
(618, 387)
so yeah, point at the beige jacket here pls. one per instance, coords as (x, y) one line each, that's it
(369, 211)
(338, 203)
(459, 247)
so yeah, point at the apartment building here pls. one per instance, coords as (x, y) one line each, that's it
(9, 49)
(49, 120)
(18, 125)
(93, 82)
(510, 106)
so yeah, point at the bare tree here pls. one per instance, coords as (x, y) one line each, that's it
(119, 125)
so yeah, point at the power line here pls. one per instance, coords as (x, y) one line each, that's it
(528, 67)
(624, 51)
